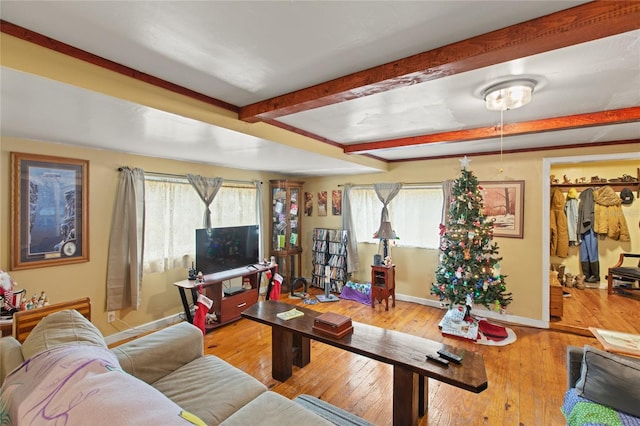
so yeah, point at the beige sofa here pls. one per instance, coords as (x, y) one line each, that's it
(162, 378)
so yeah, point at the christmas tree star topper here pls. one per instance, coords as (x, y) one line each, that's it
(464, 163)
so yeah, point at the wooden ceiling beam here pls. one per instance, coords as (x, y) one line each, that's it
(580, 24)
(593, 119)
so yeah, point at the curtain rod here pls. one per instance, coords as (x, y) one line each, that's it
(174, 176)
(370, 185)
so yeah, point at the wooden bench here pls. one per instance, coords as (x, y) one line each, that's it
(619, 271)
(25, 321)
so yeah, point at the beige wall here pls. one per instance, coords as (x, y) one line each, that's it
(522, 258)
(523, 262)
(159, 296)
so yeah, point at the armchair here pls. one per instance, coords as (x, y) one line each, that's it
(619, 271)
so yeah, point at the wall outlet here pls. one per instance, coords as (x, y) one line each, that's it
(111, 316)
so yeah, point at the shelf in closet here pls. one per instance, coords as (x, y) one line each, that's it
(617, 186)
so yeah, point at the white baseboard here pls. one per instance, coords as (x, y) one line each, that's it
(480, 311)
(142, 329)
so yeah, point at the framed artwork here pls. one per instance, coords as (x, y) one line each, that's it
(50, 211)
(308, 203)
(322, 203)
(336, 202)
(504, 203)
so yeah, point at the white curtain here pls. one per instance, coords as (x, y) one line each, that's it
(353, 261)
(207, 188)
(386, 192)
(126, 243)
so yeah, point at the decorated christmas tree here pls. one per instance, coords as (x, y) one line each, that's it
(469, 270)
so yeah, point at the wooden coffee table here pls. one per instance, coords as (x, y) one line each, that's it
(290, 345)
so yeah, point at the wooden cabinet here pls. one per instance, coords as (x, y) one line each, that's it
(286, 228)
(555, 301)
(383, 285)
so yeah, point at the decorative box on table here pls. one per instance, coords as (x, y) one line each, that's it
(333, 325)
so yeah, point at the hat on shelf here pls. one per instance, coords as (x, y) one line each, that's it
(626, 195)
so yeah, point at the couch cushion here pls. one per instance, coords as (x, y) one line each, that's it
(67, 327)
(271, 408)
(155, 355)
(610, 380)
(210, 388)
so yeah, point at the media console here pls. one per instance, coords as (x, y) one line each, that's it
(226, 307)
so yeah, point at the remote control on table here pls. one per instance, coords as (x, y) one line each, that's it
(437, 359)
(450, 356)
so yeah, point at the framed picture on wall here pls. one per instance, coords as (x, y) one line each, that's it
(49, 214)
(504, 204)
(336, 202)
(308, 203)
(322, 203)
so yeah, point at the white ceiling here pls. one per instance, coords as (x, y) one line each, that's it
(244, 52)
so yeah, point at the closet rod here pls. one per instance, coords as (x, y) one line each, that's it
(174, 176)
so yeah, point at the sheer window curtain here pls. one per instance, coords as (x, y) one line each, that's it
(386, 192)
(207, 188)
(126, 243)
(353, 261)
(174, 212)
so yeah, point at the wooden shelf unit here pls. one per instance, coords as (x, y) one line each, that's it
(226, 308)
(617, 186)
(286, 228)
(329, 250)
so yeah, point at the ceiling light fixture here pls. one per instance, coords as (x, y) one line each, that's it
(509, 94)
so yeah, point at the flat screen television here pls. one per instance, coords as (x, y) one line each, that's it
(221, 249)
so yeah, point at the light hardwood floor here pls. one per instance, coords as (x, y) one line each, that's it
(596, 308)
(527, 379)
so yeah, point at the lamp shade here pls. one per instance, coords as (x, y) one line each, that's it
(385, 232)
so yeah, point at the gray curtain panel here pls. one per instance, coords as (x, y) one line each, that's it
(126, 243)
(386, 192)
(353, 262)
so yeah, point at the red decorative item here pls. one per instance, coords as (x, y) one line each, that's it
(202, 308)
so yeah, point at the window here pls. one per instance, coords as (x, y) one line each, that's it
(415, 214)
(173, 211)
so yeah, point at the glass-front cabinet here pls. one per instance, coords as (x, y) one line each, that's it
(286, 233)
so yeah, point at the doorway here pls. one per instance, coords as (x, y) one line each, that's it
(609, 250)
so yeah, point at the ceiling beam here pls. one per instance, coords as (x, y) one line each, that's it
(569, 27)
(592, 119)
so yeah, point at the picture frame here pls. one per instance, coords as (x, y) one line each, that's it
(504, 204)
(49, 212)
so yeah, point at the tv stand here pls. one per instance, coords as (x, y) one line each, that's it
(226, 308)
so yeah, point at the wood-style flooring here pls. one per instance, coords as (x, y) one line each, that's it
(595, 308)
(527, 379)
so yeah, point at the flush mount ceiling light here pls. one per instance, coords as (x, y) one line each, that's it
(509, 94)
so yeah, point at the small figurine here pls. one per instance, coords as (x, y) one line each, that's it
(566, 179)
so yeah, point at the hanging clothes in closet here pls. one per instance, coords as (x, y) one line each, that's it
(571, 210)
(589, 260)
(558, 223)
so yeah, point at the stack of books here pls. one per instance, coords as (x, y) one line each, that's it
(333, 325)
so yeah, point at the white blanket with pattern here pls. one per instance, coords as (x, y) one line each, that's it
(82, 385)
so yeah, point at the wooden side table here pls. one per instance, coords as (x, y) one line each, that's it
(383, 285)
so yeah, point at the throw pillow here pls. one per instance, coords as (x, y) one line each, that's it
(61, 328)
(610, 380)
